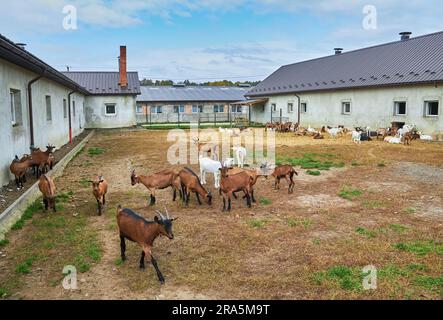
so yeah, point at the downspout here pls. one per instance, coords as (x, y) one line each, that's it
(31, 118)
(299, 109)
(69, 114)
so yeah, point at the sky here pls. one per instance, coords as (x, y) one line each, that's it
(204, 40)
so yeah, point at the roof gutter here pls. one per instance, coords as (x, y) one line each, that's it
(30, 110)
(298, 109)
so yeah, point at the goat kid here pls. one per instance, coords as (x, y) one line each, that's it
(209, 166)
(287, 172)
(99, 189)
(240, 155)
(137, 229)
(47, 188)
(356, 136)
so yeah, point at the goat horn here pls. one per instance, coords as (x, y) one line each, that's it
(162, 216)
(167, 213)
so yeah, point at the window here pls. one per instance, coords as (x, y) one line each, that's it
(290, 107)
(346, 107)
(399, 108)
(156, 109)
(139, 109)
(237, 109)
(179, 109)
(65, 109)
(16, 107)
(219, 108)
(110, 109)
(274, 107)
(197, 109)
(48, 109)
(431, 108)
(304, 107)
(73, 109)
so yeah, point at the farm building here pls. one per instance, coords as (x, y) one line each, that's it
(401, 82)
(190, 104)
(40, 105)
(112, 95)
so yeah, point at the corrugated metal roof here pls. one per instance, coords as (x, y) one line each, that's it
(417, 60)
(191, 94)
(105, 83)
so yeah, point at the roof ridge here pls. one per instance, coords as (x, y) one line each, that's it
(365, 48)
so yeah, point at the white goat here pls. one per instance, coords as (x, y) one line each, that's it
(356, 136)
(240, 155)
(210, 166)
(393, 140)
(229, 162)
(406, 128)
(334, 132)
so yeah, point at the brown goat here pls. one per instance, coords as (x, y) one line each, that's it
(190, 182)
(47, 188)
(99, 189)
(254, 174)
(287, 172)
(41, 159)
(157, 181)
(137, 229)
(19, 168)
(229, 184)
(407, 138)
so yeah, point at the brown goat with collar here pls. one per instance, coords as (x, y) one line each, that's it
(190, 182)
(287, 172)
(158, 181)
(99, 189)
(137, 229)
(19, 168)
(47, 188)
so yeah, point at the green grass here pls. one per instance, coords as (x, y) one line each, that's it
(349, 193)
(4, 293)
(309, 161)
(429, 283)
(84, 183)
(409, 210)
(95, 151)
(79, 152)
(313, 172)
(381, 164)
(421, 248)
(346, 278)
(118, 262)
(365, 232)
(28, 214)
(4, 242)
(372, 204)
(355, 163)
(257, 223)
(299, 222)
(398, 228)
(25, 266)
(94, 251)
(265, 201)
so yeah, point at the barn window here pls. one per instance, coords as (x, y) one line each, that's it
(179, 109)
(110, 109)
(65, 109)
(219, 108)
(274, 107)
(431, 108)
(48, 109)
(73, 109)
(304, 107)
(237, 109)
(197, 109)
(139, 109)
(400, 108)
(16, 107)
(290, 107)
(346, 107)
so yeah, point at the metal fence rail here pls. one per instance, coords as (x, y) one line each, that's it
(182, 117)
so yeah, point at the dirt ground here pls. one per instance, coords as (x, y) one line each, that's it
(382, 206)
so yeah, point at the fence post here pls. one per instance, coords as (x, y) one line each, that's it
(280, 114)
(215, 118)
(178, 116)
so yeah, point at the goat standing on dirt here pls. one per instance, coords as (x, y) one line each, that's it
(209, 166)
(240, 154)
(229, 184)
(191, 183)
(157, 181)
(41, 159)
(135, 228)
(47, 188)
(99, 189)
(287, 172)
(253, 174)
(19, 168)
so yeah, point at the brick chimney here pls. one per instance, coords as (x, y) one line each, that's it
(122, 67)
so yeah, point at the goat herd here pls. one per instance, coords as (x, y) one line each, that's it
(392, 135)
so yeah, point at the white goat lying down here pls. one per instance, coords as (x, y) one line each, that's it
(334, 132)
(210, 166)
(356, 136)
(425, 137)
(393, 140)
(240, 155)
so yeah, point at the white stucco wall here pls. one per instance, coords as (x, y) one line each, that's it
(95, 112)
(16, 140)
(370, 107)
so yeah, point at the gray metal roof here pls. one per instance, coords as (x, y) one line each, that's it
(11, 52)
(191, 94)
(105, 83)
(417, 60)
